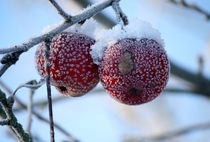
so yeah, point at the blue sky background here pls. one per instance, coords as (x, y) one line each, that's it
(96, 117)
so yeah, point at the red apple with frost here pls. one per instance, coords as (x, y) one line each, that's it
(72, 70)
(134, 71)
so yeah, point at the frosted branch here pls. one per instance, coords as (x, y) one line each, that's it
(100, 17)
(11, 120)
(33, 84)
(86, 13)
(66, 16)
(120, 14)
(201, 83)
(9, 59)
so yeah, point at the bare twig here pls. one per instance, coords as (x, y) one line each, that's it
(200, 83)
(5, 87)
(200, 65)
(33, 84)
(169, 135)
(40, 117)
(86, 13)
(178, 90)
(44, 103)
(11, 58)
(35, 113)
(29, 109)
(47, 49)
(5, 122)
(8, 60)
(4, 68)
(120, 14)
(60, 10)
(192, 6)
(100, 17)
(56, 126)
(12, 120)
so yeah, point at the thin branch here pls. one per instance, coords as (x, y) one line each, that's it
(33, 84)
(100, 17)
(40, 117)
(86, 13)
(56, 126)
(169, 135)
(192, 6)
(201, 84)
(47, 49)
(8, 60)
(200, 65)
(29, 109)
(43, 103)
(178, 90)
(11, 57)
(4, 68)
(5, 122)
(5, 87)
(35, 113)
(120, 14)
(12, 120)
(60, 10)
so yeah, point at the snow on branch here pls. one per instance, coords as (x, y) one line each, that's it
(86, 13)
(13, 53)
(201, 83)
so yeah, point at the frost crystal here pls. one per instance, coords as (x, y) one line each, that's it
(135, 29)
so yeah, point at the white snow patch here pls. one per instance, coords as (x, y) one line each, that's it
(135, 29)
(88, 28)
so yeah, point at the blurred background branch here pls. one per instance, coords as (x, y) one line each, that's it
(191, 6)
(22, 106)
(169, 135)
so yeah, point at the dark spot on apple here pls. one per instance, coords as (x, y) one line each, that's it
(62, 88)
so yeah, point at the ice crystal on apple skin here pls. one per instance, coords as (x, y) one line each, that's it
(133, 65)
(71, 67)
(72, 70)
(134, 71)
